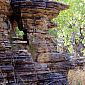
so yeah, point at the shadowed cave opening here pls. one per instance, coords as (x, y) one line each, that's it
(16, 17)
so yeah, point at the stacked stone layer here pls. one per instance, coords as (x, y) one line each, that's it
(36, 19)
(36, 64)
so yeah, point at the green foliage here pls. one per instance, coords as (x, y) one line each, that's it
(19, 33)
(71, 23)
(79, 83)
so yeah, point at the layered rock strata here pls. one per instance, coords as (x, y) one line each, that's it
(36, 63)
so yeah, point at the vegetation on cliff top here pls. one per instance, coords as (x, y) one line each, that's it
(71, 26)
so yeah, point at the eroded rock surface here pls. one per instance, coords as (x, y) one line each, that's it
(36, 63)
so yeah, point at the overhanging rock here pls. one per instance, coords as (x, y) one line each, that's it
(38, 63)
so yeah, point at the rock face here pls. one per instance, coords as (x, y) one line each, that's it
(38, 63)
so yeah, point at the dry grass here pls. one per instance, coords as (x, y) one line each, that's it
(77, 77)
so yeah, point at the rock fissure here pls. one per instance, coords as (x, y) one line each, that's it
(33, 60)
